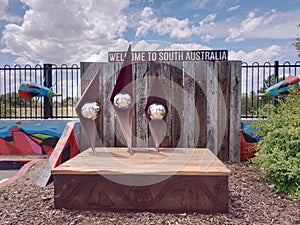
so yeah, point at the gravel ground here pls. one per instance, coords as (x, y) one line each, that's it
(251, 202)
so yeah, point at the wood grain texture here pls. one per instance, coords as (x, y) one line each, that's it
(172, 180)
(212, 107)
(176, 106)
(235, 111)
(181, 194)
(189, 109)
(201, 104)
(169, 161)
(203, 100)
(140, 126)
(223, 110)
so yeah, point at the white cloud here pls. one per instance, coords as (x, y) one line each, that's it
(247, 25)
(201, 4)
(233, 8)
(5, 16)
(146, 46)
(206, 29)
(147, 21)
(171, 26)
(271, 25)
(188, 46)
(87, 30)
(152, 45)
(77, 30)
(210, 18)
(175, 28)
(3, 5)
(259, 55)
(178, 29)
(118, 45)
(207, 38)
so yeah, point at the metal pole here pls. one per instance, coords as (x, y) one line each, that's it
(276, 78)
(48, 83)
(276, 71)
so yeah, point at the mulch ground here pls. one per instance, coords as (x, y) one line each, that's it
(251, 202)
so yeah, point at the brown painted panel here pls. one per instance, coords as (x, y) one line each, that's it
(204, 194)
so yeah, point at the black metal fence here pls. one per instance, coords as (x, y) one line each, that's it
(256, 78)
(64, 80)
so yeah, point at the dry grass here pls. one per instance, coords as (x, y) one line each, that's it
(38, 112)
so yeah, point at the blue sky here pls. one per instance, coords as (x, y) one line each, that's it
(72, 31)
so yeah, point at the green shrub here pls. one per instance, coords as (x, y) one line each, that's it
(279, 150)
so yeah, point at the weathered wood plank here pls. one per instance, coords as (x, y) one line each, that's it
(235, 111)
(212, 109)
(189, 110)
(203, 113)
(110, 73)
(223, 109)
(183, 161)
(201, 104)
(99, 119)
(153, 69)
(87, 71)
(165, 77)
(141, 84)
(176, 99)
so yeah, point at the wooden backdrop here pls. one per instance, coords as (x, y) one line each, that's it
(204, 102)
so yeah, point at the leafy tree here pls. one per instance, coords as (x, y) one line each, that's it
(8, 102)
(10, 98)
(297, 44)
(69, 101)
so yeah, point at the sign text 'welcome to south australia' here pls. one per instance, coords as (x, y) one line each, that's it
(192, 55)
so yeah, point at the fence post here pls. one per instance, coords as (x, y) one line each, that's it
(276, 71)
(47, 83)
(276, 78)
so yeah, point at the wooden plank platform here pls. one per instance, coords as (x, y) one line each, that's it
(173, 180)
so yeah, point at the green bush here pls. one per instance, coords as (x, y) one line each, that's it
(279, 150)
